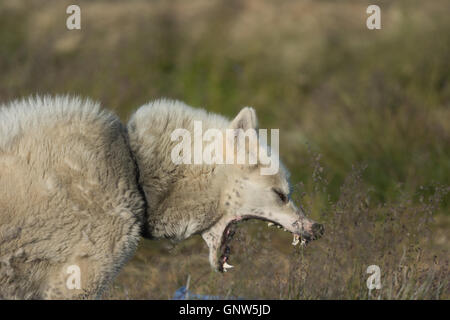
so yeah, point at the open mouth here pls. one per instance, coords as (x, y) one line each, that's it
(225, 250)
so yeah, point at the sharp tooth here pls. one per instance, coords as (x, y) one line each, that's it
(270, 224)
(303, 243)
(279, 227)
(227, 266)
(284, 229)
(296, 240)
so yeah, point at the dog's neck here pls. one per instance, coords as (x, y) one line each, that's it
(181, 199)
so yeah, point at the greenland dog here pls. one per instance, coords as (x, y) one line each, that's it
(78, 189)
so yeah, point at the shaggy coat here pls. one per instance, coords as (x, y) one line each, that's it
(68, 196)
(78, 189)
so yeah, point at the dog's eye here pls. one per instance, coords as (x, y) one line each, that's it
(281, 195)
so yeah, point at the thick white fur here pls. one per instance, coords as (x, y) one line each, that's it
(68, 196)
(77, 187)
(69, 192)
(182, 199)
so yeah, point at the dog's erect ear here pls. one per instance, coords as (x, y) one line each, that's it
(246, 119)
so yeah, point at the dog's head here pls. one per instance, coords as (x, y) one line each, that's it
(247, 193)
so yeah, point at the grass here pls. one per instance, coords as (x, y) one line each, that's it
(377, 100)
(360, 231)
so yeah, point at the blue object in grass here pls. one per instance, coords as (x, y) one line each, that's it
(184, 294)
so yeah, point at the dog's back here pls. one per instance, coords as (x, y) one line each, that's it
(68, 197)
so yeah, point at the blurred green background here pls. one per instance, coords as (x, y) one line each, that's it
(310, 68)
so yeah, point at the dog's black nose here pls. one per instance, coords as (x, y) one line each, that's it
(317, 230)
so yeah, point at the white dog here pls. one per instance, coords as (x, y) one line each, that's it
(78, 189)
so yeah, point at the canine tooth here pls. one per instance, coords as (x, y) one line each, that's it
(296, 240)
(227, 266)
(303, 243)
(270, 224)
(284, 229)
